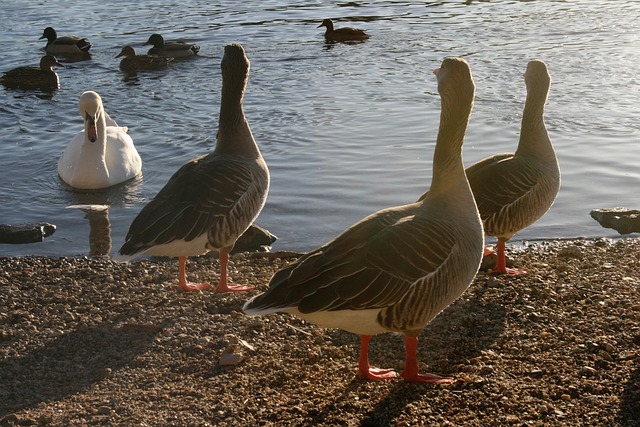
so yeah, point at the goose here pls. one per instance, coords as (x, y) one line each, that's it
(133, 62)
(34, 77)
(173, 49)
(342, 34)
(211, 200)
(514, 190)
(66, 44)
(396, 269)
(103, 154)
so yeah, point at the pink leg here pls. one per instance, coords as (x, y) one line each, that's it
(501, 263)
(411, 373)
(223, 284)
(367, 372)
(183, 284)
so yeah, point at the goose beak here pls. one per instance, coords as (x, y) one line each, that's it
(57, 64)
(436, 71)
(92, 132)
(321, 25)
(120, 54)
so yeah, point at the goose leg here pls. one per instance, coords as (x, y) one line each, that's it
(411, 373)
(183, 284)
(501, 263)
(367, 372)
(223, 284)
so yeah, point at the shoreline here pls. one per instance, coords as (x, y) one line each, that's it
(557, 346)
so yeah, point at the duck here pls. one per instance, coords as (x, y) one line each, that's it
(102, 155)
(398, 268)
(66, 44)
(210, 201)
(34, 77)
(342, 34)
(173, 49)
(514, 190)
(133, 62)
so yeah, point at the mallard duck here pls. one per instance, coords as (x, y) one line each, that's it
(34, 77)
(66, 44)
(133, 62)
(173, 49)
(210, 201)
(398, 268)
(101, 155)
(342, 34)
(514, 190)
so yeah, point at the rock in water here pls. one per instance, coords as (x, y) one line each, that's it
(623, 220)
(25, 233)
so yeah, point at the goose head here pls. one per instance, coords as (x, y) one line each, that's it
(92, 112)
(537, 77)
(455, 82)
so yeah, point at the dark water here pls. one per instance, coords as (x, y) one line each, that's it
(346, 129)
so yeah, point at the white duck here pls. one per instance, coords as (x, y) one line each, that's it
(398, 268)
(103, 154)
(210, 201)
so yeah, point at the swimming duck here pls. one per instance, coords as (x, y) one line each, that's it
(397, 269)
(174, 49)
(34, 77)
(342, 34)
(103, 154)
(514, 190)
(133, 62)
(210, 201)
(66, 44)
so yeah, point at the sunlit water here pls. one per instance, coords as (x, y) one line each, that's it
(345, 129)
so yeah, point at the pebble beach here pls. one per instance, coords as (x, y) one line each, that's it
(90, 342)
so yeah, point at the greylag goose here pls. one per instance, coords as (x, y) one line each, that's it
(514, 190)
(101, 155)
(210, 201)
(398, 268)
(173, 49)
(342, 34)
(34, 77)
(133, 62)
(65, 45)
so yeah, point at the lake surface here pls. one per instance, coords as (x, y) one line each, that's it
(346, 129)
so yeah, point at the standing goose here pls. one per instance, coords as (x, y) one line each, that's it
(133, 62)
(210, 201)
(65, 45)
(514, 190)
(34, 77)
(398, 268)
(103, 154)
(342, 34)
(174, 49)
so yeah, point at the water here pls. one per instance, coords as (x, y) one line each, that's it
(346, 129)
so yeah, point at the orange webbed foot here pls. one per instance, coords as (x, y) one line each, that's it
(233, 287)
(192, 287)
(426, 378)
(377, 374)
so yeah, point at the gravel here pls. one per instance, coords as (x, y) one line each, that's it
(85, 341)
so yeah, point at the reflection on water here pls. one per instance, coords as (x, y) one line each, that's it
(99, 228)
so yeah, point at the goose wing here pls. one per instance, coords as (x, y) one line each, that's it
(196, 198)
(371, 265)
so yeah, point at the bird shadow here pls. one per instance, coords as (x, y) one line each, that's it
(70, 363)
(629, 413)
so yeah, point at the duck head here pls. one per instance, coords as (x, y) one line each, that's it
(49, 34)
